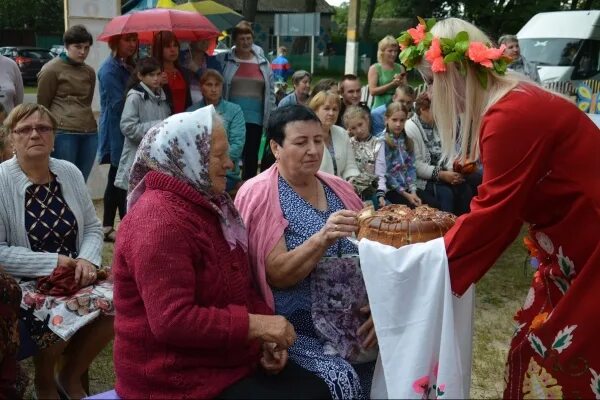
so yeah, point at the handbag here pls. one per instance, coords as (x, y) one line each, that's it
(338, 293)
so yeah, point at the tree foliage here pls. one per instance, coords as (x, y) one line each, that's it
(494, 16)
(46, 16)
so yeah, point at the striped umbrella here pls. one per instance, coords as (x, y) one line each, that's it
(221, 16)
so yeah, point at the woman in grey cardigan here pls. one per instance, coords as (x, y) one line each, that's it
(145, 106)
(48, 222)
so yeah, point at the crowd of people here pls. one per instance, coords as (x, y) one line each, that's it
(214, 261)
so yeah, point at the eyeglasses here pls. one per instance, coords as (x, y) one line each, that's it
(28, 130)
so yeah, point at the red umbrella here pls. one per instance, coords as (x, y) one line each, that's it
(187, 26)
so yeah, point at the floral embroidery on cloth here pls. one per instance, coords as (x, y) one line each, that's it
(421, 386)
(65, 315)
(539, 384)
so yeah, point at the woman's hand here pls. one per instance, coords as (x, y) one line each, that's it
(272, 360)
(66, 261)
(412, 198)
(85, 272)
(340, 224)
(451, 178)
(271, 328)
(164, 78)
(367, 330)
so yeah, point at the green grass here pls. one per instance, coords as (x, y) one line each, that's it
(30, 89)
(498, 295)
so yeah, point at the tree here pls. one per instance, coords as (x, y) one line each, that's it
(249, 9)
(368, 19)
(39, 15)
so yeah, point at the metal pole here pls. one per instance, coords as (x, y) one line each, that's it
(352, 37)
(312, 54)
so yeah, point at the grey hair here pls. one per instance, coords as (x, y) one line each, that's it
(505, 39)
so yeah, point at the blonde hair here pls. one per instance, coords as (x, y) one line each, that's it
(356, 112)
(459, 100)
(383, 44)
(321, 98)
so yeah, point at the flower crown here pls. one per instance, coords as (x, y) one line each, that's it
(419, 42)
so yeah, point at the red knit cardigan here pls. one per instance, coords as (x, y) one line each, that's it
(182, 298)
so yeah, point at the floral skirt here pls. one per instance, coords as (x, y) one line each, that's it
(49, 319)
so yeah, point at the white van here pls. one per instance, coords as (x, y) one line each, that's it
(564, 44)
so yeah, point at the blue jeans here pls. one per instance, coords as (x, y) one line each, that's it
(78, 148)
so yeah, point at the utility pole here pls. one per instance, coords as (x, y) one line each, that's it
(352, 37)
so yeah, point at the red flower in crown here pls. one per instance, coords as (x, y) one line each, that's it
(481, 54)
(435, 57)
(418, 33)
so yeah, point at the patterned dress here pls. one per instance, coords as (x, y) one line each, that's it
(541, 168)
(401, 174)
(345, 381)
(51, 228)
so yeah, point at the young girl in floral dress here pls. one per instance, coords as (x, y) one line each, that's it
(401, 175)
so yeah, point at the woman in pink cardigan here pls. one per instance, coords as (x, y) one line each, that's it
(295, 216)
(190, 322)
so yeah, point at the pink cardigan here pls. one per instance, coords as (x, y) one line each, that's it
(258, 203)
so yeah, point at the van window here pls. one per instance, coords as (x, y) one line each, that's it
(550, 52)
(586, 63)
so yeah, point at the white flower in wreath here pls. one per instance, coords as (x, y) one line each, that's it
(544, 242)
(529, 299)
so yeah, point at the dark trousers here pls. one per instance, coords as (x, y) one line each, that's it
(450, 198)
(114, 198)
(250, 152)
(294, 382)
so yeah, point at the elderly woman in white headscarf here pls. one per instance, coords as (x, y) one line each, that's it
(190, 321)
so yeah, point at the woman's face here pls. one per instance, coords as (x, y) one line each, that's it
(395, 122)
(244, 42)
(219, 161)
(30, 143)
(211, 91)
(127, 46)
(303, 87)
(302, 149)
(390, 54)
(78, 52)
(171, 52)
(328, 112)
(512, 50)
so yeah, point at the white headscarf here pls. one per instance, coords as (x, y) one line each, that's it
(180, 147)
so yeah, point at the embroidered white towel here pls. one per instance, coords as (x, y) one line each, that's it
(424, 332)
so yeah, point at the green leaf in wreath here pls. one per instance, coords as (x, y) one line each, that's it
(500, 66)
(452, 57)
(462, 36)
(537, 344)
(461, 47)
(422, 21)
(482, 76)
(430, 23)
(563, 338)
(447, 45)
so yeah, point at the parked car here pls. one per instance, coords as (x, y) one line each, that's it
(57, 50)
(29, 59)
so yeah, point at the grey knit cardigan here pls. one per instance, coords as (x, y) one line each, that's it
(16, 256)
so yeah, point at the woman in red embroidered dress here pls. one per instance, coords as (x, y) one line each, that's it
(541, 167)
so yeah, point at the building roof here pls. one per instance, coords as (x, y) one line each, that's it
(279, 6)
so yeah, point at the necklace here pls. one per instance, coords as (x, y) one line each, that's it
(48, 191)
